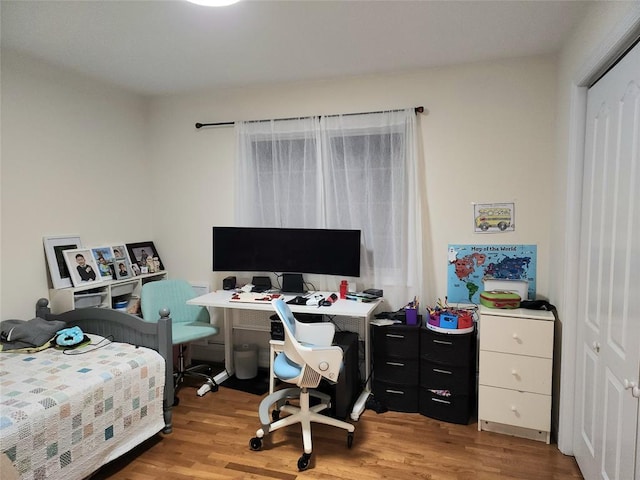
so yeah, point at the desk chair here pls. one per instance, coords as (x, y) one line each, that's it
(188, 323)
(307, 357)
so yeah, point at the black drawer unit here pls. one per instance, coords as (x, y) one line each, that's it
(447, 375)
(396, 341)
(396, 397)
(396, 366)
(448, 408)
(446, 348)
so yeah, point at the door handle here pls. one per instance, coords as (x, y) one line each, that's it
(629, 385)
(596, 347)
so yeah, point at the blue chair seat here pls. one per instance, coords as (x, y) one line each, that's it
(285, 369)
(188, 332)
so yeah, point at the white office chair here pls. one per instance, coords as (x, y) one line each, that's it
(308, 356)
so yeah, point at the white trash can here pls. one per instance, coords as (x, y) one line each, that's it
(245, 360)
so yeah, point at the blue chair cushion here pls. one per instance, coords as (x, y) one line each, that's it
(188, 332)
(285, 369)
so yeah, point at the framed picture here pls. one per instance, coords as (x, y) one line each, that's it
(119, 252)
(122, 268)
(145, 256)
(494, 217)
(53, 247)
(82, 266)
(104, 259)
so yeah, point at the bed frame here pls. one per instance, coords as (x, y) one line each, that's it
(125, 328)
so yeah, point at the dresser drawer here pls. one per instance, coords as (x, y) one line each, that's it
(516, 372)
(396, 370)
(452, 408)
(396, 341)
(399, 398)
(450, 349)
(520, 409)
(520, 336)
(446, 377)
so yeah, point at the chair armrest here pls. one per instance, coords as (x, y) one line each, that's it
(315, 333)
(327, 361)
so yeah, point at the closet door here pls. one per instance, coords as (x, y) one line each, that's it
(608, 354)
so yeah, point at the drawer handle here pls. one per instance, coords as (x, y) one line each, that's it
(438, 370)
(391, 335)
(395, 364)
(397, 392)
(514, 372)
(517, 338)
(443, 342)
(439, 400)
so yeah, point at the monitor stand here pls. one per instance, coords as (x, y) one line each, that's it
(292, 283)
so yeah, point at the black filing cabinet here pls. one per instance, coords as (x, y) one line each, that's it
(396, 366)
(447, 375)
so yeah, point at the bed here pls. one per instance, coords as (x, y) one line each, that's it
(64, 414)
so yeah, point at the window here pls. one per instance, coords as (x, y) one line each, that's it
(343, 171)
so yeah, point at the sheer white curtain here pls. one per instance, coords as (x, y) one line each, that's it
(278, 173)
(370, 166)
(343, 171)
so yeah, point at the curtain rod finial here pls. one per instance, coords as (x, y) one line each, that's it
(419, 109)
(198, 125)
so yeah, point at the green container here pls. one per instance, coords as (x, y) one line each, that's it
(500, 299)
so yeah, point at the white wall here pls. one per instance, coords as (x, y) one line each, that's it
(487, 136)
(595, 41)
(74, 161)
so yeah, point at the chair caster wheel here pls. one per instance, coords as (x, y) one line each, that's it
(255, 443)
(349, 439)
(275, 415)
(303, 461)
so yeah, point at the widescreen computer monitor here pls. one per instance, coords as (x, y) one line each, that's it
(286, 250)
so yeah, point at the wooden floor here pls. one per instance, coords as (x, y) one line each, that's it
(210, 440)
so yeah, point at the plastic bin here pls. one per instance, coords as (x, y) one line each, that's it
(245, 360)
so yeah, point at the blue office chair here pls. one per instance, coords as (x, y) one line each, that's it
(308, 356)
(189, 323)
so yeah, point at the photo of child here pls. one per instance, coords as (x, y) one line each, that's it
(82, 266)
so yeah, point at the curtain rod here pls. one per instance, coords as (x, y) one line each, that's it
(222, 124)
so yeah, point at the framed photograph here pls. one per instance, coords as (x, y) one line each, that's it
(53, 247)
(494, 217)
(104, 259)
(119, 252)
(145, 256)
(82, 266)
(122, 268)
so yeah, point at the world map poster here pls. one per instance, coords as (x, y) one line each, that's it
(469, 265)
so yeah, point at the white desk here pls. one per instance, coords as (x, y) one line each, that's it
(347, 308)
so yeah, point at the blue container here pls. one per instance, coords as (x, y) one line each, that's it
(447, 320)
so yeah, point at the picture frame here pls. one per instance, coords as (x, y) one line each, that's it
(82, 266)
(145, 257)
(122, 268)
(104, 259)
(58, 270)
(119, 251)
(494, 217)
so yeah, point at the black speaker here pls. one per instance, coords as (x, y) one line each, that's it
(261, 284)
(277, 330)
(292, 283)
(229, 283)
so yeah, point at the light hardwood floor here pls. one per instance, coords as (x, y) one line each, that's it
(210, 440)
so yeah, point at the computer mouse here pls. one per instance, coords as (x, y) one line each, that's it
(325, 303)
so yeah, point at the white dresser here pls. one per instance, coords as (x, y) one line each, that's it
(515, 372)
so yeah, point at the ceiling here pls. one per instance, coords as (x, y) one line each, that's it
(162, 47)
